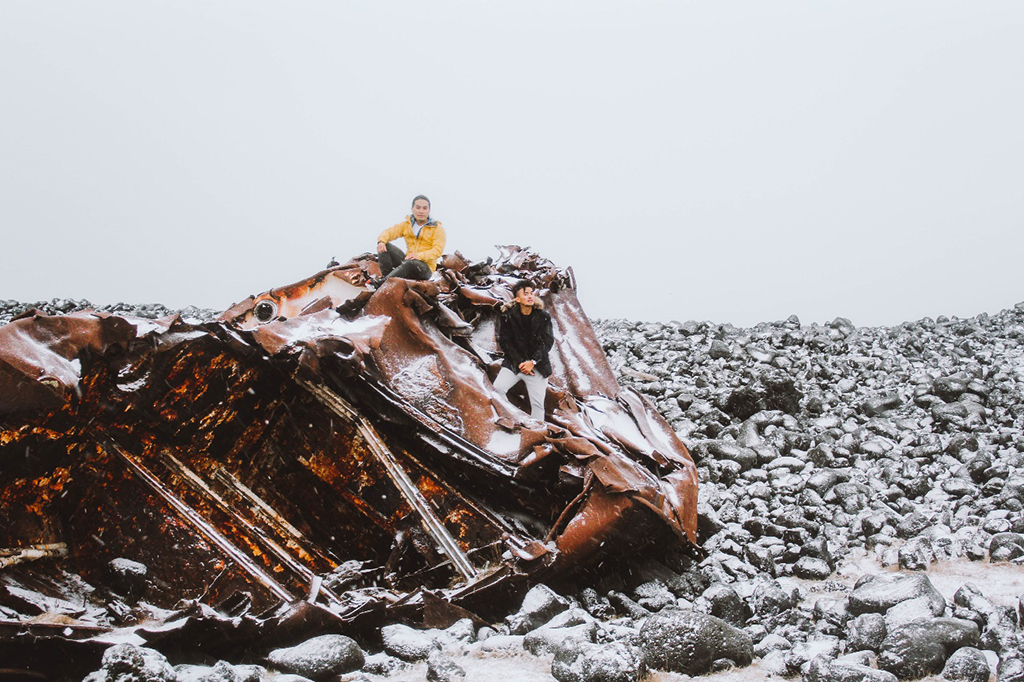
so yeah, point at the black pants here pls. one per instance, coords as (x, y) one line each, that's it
(393, 264)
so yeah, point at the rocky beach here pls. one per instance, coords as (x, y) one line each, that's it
(861, 518)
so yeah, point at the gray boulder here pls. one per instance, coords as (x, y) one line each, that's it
(249, 672)
(910, 610)
(441, 668)
(545, 640)
(1006, 546)
(831, 615)
(136, 663)
(725, 603)
(922, 647)
(406, 643)
(719, 350)
(128, 578)
(1010, 668)
(771, 642)
(912, 524)
(540, 604)
(319, 658)
(969, 600)
(812, 568)
(866, 632)
(776, 663)
(382, 664)
(611, 662)
(967, 664)
(916, 554)
(221, 672)
(801, 655)
(766, 389)
(690, 642)
(823, 669)
(880, 404)
(654, 595)
(725, 450)
(879, 593)
(461, 630)
(770, 598)
(949, 388)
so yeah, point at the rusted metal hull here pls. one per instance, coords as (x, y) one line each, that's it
(344, 463)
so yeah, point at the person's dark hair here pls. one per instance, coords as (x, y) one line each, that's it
(520, 285)
(417, 198)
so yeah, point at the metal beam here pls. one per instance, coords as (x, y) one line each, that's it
(200, 524)
(431, 523)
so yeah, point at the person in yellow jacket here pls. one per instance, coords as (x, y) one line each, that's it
(424, 240)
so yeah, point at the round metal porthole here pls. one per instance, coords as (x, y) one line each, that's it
(265, 311)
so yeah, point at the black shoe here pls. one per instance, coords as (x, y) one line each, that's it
(375, 282)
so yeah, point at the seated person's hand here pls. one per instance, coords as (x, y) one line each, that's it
(526, 367)
(381, 247)
(411, 256)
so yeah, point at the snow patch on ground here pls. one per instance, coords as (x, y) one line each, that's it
(484, 666)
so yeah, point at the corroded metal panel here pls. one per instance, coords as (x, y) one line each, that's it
(325, 450)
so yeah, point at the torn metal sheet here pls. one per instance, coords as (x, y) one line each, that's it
(323, 451)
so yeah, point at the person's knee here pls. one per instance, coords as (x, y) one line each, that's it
(537, 391)
(505, 380)
(412, 269)
(419, 270)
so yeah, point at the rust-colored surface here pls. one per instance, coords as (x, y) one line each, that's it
(337, 448)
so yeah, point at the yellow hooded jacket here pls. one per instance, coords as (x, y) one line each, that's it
(428, 247)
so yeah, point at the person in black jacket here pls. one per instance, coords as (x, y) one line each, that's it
(525, 337)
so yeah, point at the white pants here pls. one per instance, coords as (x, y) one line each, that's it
(536, 387)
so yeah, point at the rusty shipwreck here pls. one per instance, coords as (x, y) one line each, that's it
(322, 453)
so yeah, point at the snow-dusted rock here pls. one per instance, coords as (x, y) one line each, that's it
(221, 672)
(249, 673)
(879, 593)
(540, 604)
(967, 664)
(383, 664)
(690, 642)
(441, 668)
(319, 658)
(545, 639)
(611, 662)
(654, 595)
(128, 578)
(408, 644)
(922, 647)
(724, 602)
(1006, 546)
(824, 669)
(130, 662)
(801, 655)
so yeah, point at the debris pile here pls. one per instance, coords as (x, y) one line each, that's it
(323, 458)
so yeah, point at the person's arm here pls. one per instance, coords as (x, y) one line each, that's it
(542, 344)
(433, 250)
(506, 340)
(547, 334)
(393, 232)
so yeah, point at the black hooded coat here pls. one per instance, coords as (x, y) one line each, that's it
(526, 337)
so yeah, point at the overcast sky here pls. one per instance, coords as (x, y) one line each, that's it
(726, 161)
